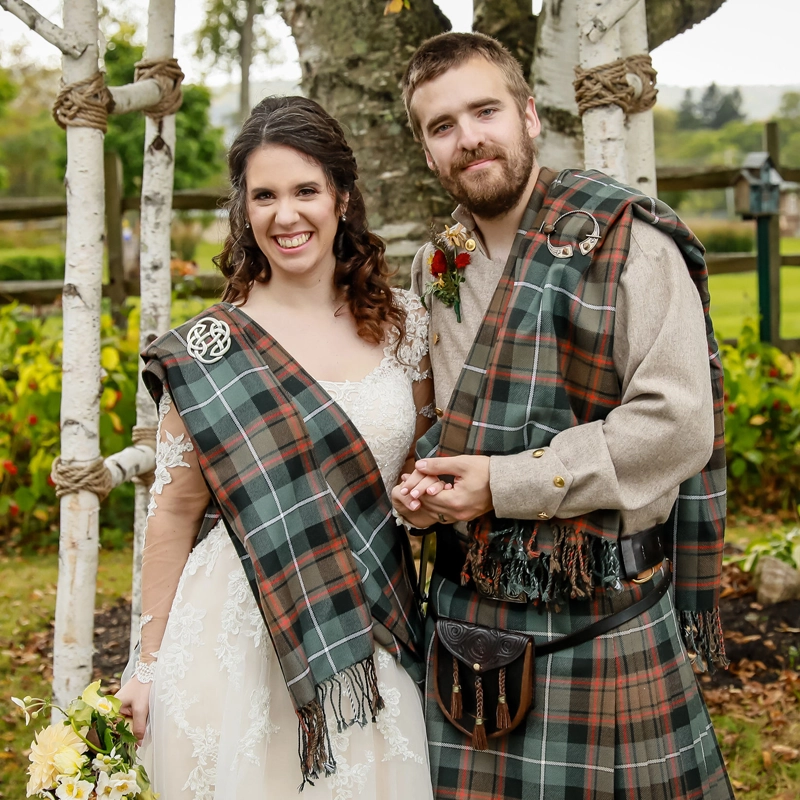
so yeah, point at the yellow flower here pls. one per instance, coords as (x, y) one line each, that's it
(48, 743)
(68, 761)
(456, 236)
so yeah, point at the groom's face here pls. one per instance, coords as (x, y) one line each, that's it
(476, 139)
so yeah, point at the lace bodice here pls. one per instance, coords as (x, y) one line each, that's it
(381, 405)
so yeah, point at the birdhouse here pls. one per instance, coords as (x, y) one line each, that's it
(757, 190)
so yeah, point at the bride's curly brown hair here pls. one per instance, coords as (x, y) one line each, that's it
(361, 272)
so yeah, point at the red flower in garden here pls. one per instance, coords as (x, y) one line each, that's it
(438, 263)
(14, 509)
(32, 385)
(50, 481)
(10, 467)
(773, 373)
(462, 260)
(732, 408)
(33, 419)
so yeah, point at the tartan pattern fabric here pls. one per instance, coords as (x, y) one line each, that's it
(542, 362)
(617, 718)
(307, 511)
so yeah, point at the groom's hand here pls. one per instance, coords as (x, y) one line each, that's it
(470, 496)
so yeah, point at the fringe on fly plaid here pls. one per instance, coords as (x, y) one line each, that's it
(550, 324)
(304, 503)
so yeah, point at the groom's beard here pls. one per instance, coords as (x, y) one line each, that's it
(491, 195)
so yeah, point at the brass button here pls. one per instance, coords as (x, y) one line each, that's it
(558, 481)
(438, 412)
(470, 245)
(543, 515)
(476, 667)
(538, 453)
(436, 338)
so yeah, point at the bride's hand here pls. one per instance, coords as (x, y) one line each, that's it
(135, 697)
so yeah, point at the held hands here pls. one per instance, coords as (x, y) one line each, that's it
(424, 499)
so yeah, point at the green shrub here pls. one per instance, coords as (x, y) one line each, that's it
(762, 425)
(30, 403)
(780, 545)
(31, 267)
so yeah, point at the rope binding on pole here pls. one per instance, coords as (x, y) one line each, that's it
(148, 435)
(628, 82)
(92, 476)
(169, 76)
(84, 104)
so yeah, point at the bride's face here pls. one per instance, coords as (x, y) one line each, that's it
(292, 211)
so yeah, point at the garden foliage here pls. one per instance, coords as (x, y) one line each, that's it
(762, 426)
(30, 406)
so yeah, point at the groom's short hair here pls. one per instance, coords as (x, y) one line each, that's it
(437, 55)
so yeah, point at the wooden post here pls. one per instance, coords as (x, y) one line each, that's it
(116, 277)
(80, 411)
(772, 146)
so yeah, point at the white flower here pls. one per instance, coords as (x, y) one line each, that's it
(125, 783)
(72, 788)
(104, 763)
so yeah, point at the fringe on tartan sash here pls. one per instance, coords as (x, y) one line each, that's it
(508, 562)
(357, 688)
(702, 635)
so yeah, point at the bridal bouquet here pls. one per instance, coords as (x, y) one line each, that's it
(90, 754)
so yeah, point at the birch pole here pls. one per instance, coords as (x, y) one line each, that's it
(155, 283)
(603, 127)
(641, 139)
(556, 54)
(80, 406)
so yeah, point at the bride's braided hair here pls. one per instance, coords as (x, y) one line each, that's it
(361, 272)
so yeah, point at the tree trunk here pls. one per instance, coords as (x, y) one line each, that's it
(80, 408)
(512, 23)
(555, 58)
(352, 59)
(246, 59)
(155, 283)
(667, 18)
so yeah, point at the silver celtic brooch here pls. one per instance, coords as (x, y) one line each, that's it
(209, 340)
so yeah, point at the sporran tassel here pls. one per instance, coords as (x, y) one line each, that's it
(503, 714)
(479, 740)
(456, 708)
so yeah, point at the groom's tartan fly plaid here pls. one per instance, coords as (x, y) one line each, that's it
(303, 500)
(542, 362)
(620, 716)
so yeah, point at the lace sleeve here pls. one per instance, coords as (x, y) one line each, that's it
(414, 347)
(178, 500)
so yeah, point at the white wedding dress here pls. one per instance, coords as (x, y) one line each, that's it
(222, 724)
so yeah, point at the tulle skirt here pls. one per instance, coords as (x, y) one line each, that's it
(222, 724)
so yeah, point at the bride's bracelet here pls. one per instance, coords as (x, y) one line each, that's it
(145, 671)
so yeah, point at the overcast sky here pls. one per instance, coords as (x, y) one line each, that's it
(746, 42)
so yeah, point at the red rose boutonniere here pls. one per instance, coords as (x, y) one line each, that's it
(447, 267)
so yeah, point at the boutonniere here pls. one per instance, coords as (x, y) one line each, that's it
(447, 266)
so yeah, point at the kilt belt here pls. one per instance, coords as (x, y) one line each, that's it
(541, 363)
(303, 501)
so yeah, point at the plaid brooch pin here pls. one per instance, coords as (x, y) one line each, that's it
(446, 265)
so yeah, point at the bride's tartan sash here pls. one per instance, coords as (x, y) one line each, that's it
(542, 362)
(303, 499)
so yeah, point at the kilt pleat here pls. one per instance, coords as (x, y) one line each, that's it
(620, 717)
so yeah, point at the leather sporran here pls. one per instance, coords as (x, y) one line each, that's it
(483, 678)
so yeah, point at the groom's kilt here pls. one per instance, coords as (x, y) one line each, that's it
(620, 716)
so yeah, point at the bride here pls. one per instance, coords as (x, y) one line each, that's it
(280, 640)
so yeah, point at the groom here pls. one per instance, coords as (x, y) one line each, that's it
(579, 392)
